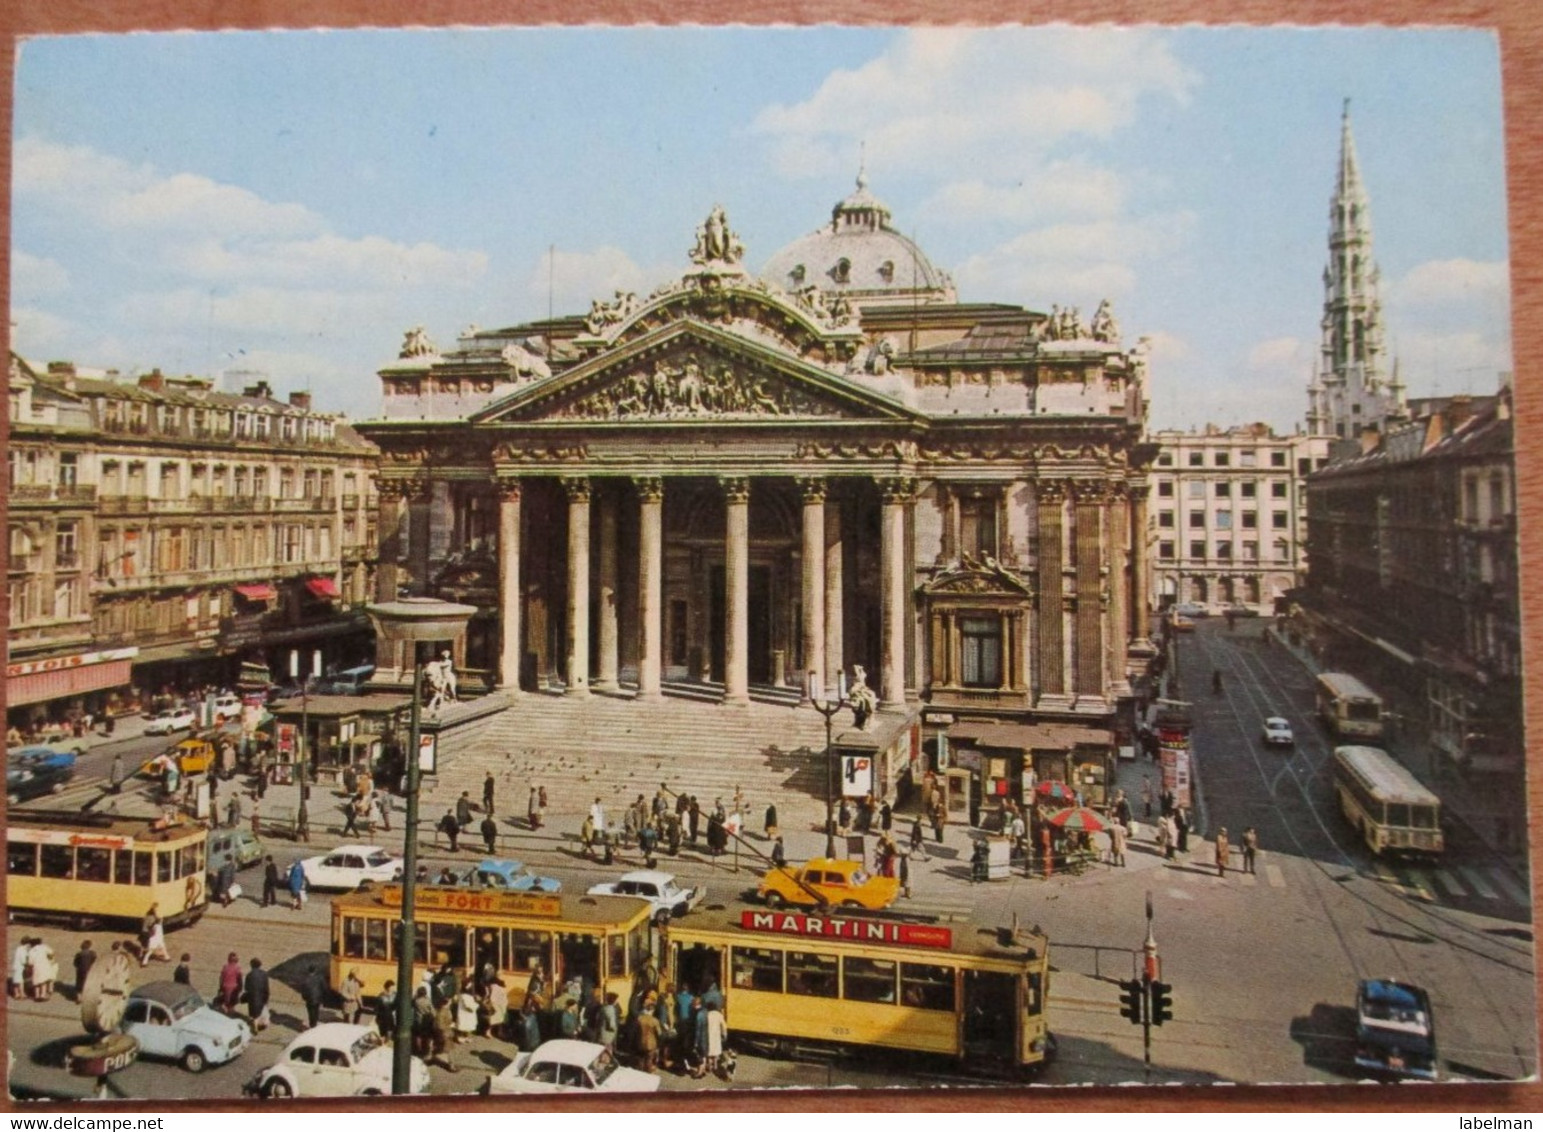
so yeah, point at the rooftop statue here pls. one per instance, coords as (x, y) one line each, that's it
(416, 344)
(715, 242)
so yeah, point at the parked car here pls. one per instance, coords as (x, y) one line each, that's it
(170, 722)
(567, 1066)
(659, 889)
(1238, 609)
(32, 772)
(1277, 733)
(240, 846)
(191, 756)
(348, 682)
(1192, 609)
(227, 708)
(1395, 1032)
(334, 1059)
(1181, 624)
(349, 866)
(172, 1021)
(839, 884)
(495, 872)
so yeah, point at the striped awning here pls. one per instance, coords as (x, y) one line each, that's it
(322, 587)
(40, 687)
(257, 591)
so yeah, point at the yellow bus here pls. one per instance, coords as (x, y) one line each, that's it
(1348, 707)
(1390, 808)
(795, 980)
(598, 940)
(94, 868)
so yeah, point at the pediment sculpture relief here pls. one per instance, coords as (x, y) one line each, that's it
(690, 388)
(969, 575)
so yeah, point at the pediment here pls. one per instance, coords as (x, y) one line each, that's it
(969, 576)
(695, 374)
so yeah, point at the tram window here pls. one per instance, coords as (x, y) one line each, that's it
(637, 946)
(353, 937)
(57, 862)
(1424, 817)
(757, 968)
(164, 862)
(375, 935)
(485, 944)
(868, 980)
(21, 858)
(94, 864)
(1032, 1000)
(123, 867)
(525, 949)
(812, 974)
(616, 956)
(927, 986)
(447, 944)
(1398, 813)
(143, 863)
(420, 942)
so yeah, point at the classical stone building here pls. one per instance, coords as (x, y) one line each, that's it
(738, 481)
(161, 532)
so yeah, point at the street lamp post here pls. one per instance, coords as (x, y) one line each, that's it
(416, 620)
(828, 708)
(305, 714)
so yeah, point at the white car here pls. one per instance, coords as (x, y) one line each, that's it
(170, 722)
(1277, 732)
(659, 889)
(349, 866)
(1192, 609)
(172, 1021)
(227, 708)
(334, 1059)
(567, 1066)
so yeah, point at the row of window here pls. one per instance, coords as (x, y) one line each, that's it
(925, 986)
(1247, 458)
(139, 417)
(1247, 551)
(507, 949)
(134, 553)
(120, 478)
(1222, 489)
(1222, 520)
(103, 866)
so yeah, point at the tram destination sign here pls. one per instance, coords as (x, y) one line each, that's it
(845, 927)
(476, 900)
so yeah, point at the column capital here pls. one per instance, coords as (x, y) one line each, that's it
(508, 488)
(1088, 493)
(577, 487)
(1140, 492)
(1052, 490)
(813, 489)
(897, 489)
(650, 488)
(397, 490)
(736, 489)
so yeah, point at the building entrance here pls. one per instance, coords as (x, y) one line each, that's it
(759, 650)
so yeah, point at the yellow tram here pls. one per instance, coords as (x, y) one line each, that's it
(88, 868)
(597, 939)
(798, 979)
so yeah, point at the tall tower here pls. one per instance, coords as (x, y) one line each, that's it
(1349, 388)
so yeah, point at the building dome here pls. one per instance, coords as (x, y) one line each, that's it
(858, 254)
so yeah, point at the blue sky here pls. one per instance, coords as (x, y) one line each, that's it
(291, 202)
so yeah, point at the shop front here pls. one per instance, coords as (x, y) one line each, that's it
(1008, 763)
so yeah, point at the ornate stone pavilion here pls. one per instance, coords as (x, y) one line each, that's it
(738, 481)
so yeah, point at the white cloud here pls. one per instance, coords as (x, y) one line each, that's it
(41, 333)
(1073, 188)
(575, 279)
(1165, 348)
(35, 277)
(1443, 281)
(1465, 360)
(1280, 356)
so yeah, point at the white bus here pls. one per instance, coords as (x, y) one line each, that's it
(1389, 808)
(1348, 707)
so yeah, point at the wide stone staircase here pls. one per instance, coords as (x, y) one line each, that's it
(618, 748)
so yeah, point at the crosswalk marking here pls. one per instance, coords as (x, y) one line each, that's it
(1249, 879)
(1420, 885)
(1480, 885)
(1449, 882)
(1273, 874)
(1515, 891)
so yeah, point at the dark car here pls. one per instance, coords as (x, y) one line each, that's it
(34, 771)
(1395, 1033)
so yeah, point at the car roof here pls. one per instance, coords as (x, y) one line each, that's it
(1276, 721)
(568, 1051)
(500, 865)
(166, 992)
(653, 875)
(832, 864)
(337, 1034)
(356, 848)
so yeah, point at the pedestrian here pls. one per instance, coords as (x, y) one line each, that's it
(255, 992)
(227, 883)
(18, 978)
(533, 811)
(184, 972)
(115, 776)
(1163, 843)
(451, 829)
(779, 857)
(587, 835)
(1181, 827)
(886, 817)
(353, 998)
(490, 834)
(694, 818)
(717, 1035)
(444, 1036)
(844, 819)
(85, 959)
(597, 815)
(233, 810)
(487, 794)
(153, 931)
(1250, 849)
(257, 820)
(1122, 812)
(937, 816)
(771, 825)
(463, 809)
(383, 808)
(45, 969)
(1223, 849)
(1117, 845)
(1171, 831)
(649, 1033)
(385, 1011)
(313, 989)
(303, 819)
(1146, 796)
(918, 842)
(903, 873)
(350, 818)
(230, 984)
(296, 886)
(270, 882)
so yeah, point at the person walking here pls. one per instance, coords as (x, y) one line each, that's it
(1223, 849)
(227, 883)
(463, 809)
(230, 984)
(296, 887)
(844, 819)
(154, 931)
(1250, 849)
(353, 998)
(233, 810)
(487, 794)
(903, 873)
(1146, 796)
(533, 811)
(1181, 823)
(383, 808)
(597, 815)
(350, 818)
(184, 972)
(313, 989)
(451, 829)
(115, 776)
(255, 991)
(886, 817)
(771, 825)
(489, 829)
(270, 882)
(385, 1011)
(303, 819)
(1117, 845)
(779, 856)
(938, 817)
(85, 959)
(918, 840)
(18, 978)
(693, 819)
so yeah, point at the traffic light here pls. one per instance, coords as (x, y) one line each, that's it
(1162, 1003)
(1130, 1000)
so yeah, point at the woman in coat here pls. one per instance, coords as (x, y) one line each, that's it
(257, 995)
(296, 886)
(353, 998)
(45, 970)
(230, 984)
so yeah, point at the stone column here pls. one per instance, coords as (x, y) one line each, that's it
(650, 585)
(1141, 582)
(1117, 631)
(420, 515)
(813, 489)
(1089, 498)
(897, 494)
(736, 590)
(605, 674)
(1051, 499)
(577, 488)
(511, 637)
(835, 612)
(393, 496)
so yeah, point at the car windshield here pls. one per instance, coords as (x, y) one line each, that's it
(187, 1006)
(603, 1067)
(379, 857)
(858, 878)
(366, 1042)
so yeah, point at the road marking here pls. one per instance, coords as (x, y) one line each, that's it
(1419, 884)
(1503, 880)
(1273, 874)
(1249, 880)
(1449, 882)
(1480, 885)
